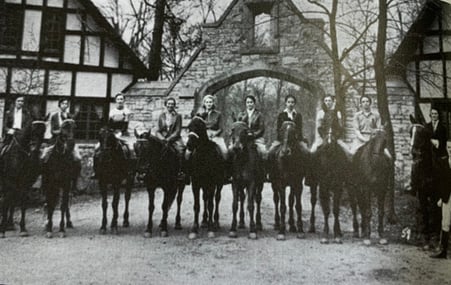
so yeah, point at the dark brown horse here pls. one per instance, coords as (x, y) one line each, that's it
(287, 169)
(428, 178)
(371, 176)
(331, 171)
(20, 168)
(157, 166)
(207, 173)
(247, 173)
(113, 166)
(58, 172)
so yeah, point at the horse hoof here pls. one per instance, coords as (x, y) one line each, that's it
(114, 231)
(178, 227)
(147, 235)
(192, 236)
(280, 237)
(367, 242)
(125, 224)
(62, 235)
(49, 235)
(338, 240)
(23, 234)
(211, 234)
(300, 235)
(383, 241)
(163, 234)
(324, 241)
(233, 234)
(253, 236)
(102, 231)
(2, 235)
(427, 247)
(69, 225)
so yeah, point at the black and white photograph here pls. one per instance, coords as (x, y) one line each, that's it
(225, 141)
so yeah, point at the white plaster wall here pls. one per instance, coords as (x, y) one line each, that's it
(3, 75)
(119, 82)
(55, 3)
(73, 22)
(72, 49)
(431, 79)
(34, 2)
(31, 30)
(92, 51)
(75, 5)
(14, 1)
(431, 45)
(111, 57)
(91, 84)
(27, 81)
(59, 82)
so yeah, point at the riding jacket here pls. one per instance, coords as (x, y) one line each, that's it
(255, 123)
(297, 119)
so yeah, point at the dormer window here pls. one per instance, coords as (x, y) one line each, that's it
(260, 27)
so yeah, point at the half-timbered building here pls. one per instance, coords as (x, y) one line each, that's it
(51, 49)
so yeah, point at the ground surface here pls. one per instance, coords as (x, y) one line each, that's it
(85, 257)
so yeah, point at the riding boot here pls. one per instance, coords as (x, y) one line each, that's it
(444, 246)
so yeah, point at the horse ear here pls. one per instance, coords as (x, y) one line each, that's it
(412, 119)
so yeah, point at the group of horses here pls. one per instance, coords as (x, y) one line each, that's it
(329, 170)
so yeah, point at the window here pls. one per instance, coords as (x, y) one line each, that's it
(88, 116)
(11, 25)
(52, 32)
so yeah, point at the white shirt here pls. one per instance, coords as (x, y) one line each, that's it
(249, 116)
(290, 114)
(17, 119)
(120, 115)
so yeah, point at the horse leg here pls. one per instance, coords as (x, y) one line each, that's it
(365, 209)
(298, 195)
(250, 207)
(151, 208)
(10, 221)
(283, 210)
(423, 200)
(127, 196)
(69, 223)
(258, 200)
(103, 191)
(291, 224)
(353, 202)
(115, 206)
(209, 193)
(180, 188)
(232, 232)
(51, 197)
(23, 204)
(217, 201)
(64, 207)
(275, 197)
(324, 198)
(380, 213)
(336, 204)
(204, 223)
(169, 196)
(195, 227)
(4, 206)
(242, 194)
(313, 200)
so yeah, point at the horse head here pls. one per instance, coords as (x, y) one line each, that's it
(288, 134)
(197, 132)
(149, 152)
(239, 136)
(420, 140)
(65, 140)
(107, 139)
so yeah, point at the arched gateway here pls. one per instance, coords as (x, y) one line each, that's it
(232, 51)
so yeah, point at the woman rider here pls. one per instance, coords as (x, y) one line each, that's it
(254, 119)
(213, 121)
(169, 129)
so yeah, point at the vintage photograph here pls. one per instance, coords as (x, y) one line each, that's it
(225, 141)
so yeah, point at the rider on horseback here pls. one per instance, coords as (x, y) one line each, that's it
(17, 118)
(169, 129)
